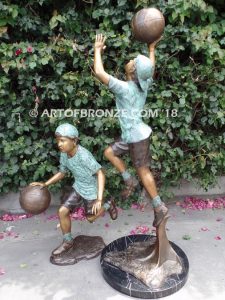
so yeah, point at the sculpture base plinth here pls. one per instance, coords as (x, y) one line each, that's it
(123, 281)
(85, 247)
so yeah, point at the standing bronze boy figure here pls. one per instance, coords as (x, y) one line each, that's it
(130, 99)
(88, 187)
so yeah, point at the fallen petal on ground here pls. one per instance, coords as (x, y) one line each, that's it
(140, 230)
(195, 203)
(11, 217)
(2, 271)
(204, 229)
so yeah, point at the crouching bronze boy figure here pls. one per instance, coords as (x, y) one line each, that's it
(88, 187)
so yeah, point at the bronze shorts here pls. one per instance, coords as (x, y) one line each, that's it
(75, 200)
(139, 152)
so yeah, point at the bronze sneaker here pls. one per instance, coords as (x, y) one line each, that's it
(112, 209)
(130, 186)
(160, 215)
(65, 246)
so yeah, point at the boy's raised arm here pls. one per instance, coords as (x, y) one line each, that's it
(99, 46)
(152, 51)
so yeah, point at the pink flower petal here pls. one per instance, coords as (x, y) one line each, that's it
(140, 230)
(18, 52)
(29, 49)
(134, 205)
(52, 217)
(78, 214)
(138, 206)
(217, 237)
(200, 204)
(2, 271)
(204, 229)
(11, 217)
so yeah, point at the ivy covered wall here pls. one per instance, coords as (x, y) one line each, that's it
(46, 58)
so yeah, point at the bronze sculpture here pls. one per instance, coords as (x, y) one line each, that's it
(152, 263)
(131, 96)
(88, 187)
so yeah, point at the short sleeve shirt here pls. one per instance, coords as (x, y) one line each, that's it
(130, 101)
(83, 166)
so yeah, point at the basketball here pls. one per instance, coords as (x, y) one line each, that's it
(148, 25)
(35, 199)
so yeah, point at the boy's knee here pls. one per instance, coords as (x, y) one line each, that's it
(63, 211)
(108, 152)
(142, 171)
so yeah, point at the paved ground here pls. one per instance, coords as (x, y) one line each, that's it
(29, 275)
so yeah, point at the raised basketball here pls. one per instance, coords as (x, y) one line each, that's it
(148, 25)
(35, 199)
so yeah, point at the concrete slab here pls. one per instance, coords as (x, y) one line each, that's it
(10, 202)
(29, 275)
(186, 188)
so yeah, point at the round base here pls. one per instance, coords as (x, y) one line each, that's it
(130, 285)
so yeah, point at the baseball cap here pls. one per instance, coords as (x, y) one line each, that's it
(67, 130)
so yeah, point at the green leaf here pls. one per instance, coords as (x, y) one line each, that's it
(186, 237)
(44, 61)
(202, 162)
(182, 101)
(166, 93)
(14, 13)
(32, 65)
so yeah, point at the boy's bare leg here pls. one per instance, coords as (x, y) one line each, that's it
(65, 224)
(64, 218)
(117, 162)
(148, 181)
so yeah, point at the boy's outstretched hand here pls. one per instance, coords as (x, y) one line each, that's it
(100, 42)
(152, 45)
(42, 184)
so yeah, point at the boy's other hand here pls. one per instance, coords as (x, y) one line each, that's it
(100, 42)
(96, 206)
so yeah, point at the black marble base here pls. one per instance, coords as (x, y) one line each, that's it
(85, 247)
(130, 285)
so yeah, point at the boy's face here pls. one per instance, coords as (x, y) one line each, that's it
(130, 67)
(65, 144)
